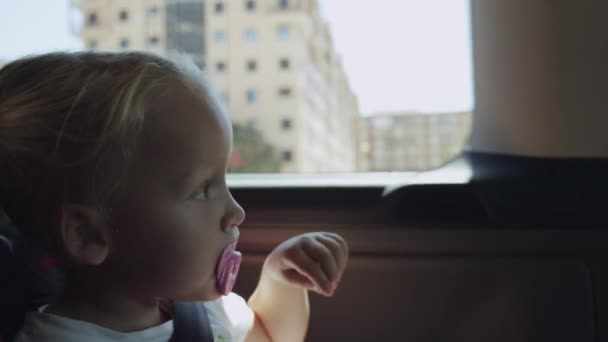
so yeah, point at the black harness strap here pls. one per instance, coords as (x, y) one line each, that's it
(191, 323)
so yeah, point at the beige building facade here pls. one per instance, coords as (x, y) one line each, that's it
(121, 25)
(272, 63)
(276, 68)
(411, 141)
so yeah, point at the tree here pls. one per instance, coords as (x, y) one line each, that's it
(251, 153)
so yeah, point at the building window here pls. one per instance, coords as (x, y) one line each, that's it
(92, 44)
(219, 7)
(283, 4)
(123, 15)
(92, 19)
(284, 63)
(220, 36)
(220, 66)
(252, 65)
(250, 5)
(286, 124)
(124, 43)
(153, 42)
(283, 32)
(184, 26)
(287, 155)
(250, 35)
(224, 97)
(284, 92)
(254, 123)
(252, 96)
(152, 11)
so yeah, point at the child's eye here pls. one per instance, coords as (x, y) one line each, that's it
(202, 193)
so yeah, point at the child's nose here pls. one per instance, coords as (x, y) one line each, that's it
(234, 216)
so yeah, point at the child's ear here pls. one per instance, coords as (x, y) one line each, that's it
(84, 234)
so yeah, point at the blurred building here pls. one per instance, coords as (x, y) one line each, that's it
(151, 25)
(411, 141)
(272, 62)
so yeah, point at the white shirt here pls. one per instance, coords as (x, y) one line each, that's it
(229, 316)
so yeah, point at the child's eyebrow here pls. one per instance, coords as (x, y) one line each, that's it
(204, 170)
(188, 177)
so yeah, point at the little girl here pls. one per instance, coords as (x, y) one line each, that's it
(114, 165)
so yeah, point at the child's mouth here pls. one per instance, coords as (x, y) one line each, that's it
(227, 268)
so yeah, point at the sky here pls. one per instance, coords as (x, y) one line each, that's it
(399, 55)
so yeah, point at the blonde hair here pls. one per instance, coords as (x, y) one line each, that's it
(68, 125)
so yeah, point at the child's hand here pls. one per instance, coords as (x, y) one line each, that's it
(314, 261)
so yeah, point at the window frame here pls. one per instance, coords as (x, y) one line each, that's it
(124, 43)
(219, 36)
(92, 44)
(286, 124)
(153, 41)
(251, 35)
(92, 23)
(285, 92)
(252, 96)
(123, 15)
(152, 11)
(287, 155)
(221, 66)
(251, 66)
(284, 63)
(283, 32)
(219, 7)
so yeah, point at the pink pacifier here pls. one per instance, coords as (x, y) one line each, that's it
(227, 268)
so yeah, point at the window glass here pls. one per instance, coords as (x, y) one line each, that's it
(251, 35)
(335, 85)
(283, 32)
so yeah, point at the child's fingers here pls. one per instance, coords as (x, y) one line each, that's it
(341, 241)
(338, 255)
(311, 269)
(324, 257)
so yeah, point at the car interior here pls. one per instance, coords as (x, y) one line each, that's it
(507, 242)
